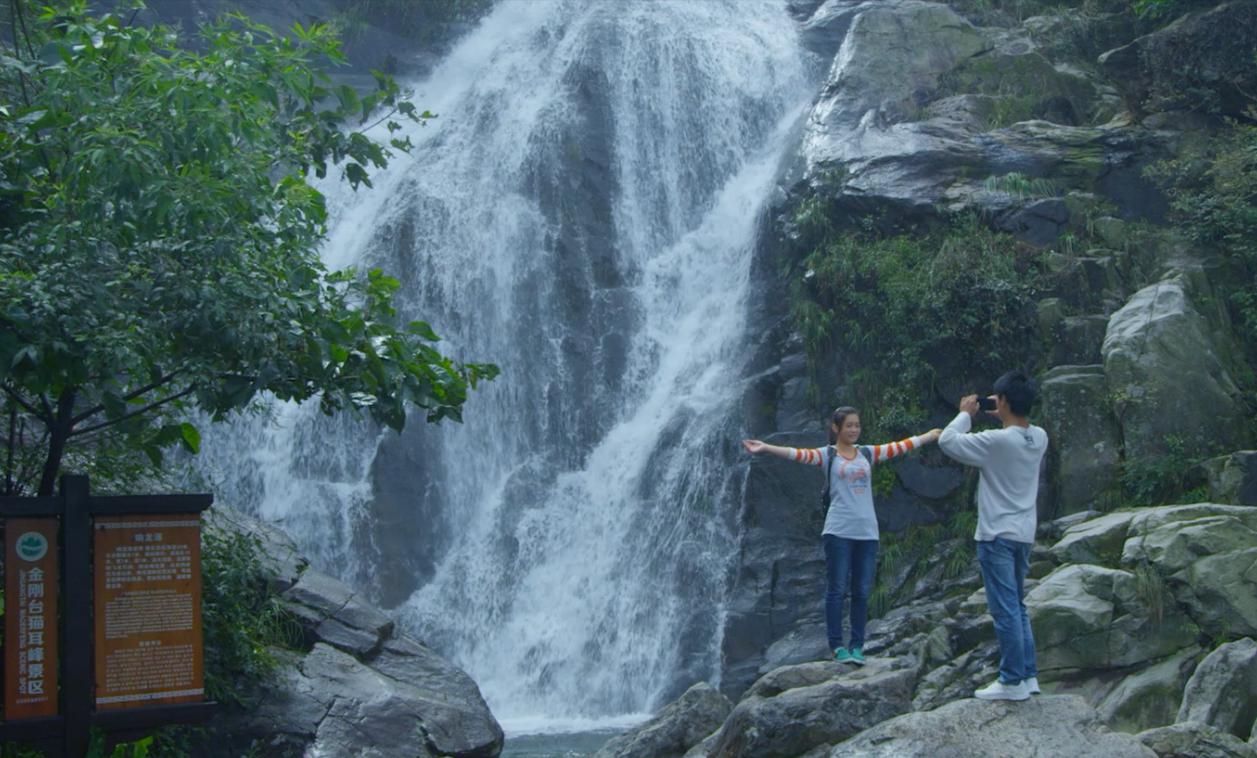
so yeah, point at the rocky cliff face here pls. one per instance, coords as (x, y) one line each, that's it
(1041, 128)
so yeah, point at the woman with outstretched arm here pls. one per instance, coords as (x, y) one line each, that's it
(850, 534)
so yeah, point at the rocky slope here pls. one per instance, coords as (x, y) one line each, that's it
(1040, 128)
(1144, 622)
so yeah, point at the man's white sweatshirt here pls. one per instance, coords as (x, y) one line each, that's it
(1009, 460)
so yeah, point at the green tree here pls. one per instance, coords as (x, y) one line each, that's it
(158, 238)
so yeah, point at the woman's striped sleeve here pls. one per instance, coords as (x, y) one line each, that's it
(809, 456)
(893, 449)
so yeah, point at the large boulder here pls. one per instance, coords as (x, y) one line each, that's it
(328, 703)
(1090, 617)
(1223, 691)
(1028, 86)
(1056, 725)
(1085, 454)
(1202, 61)
(827, 27)
(455, 717)
(674, 730)
(1193, 740)
(329, 611)
(1166, 375)
(1148, 697)
(1220, 592)
(1207, 557)
(1098, 540)
(959, 677)
(806, 642)
(1233, 478)
(810, 705)
(907, 118)
(1175, 537)
(891, 53)
(358, 686)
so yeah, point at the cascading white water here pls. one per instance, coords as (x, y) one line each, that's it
(583, 213)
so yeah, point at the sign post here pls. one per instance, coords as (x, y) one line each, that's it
(30, 618)
(148, 610)
(120, 602)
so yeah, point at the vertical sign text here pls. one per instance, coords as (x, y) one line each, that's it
(30, 618)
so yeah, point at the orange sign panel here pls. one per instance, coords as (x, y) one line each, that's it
(148, 610)
(30, 618)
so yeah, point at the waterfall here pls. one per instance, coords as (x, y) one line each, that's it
(582, 212)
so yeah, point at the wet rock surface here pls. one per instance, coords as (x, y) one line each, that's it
(356, 686)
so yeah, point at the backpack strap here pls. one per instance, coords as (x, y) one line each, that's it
(868, 455)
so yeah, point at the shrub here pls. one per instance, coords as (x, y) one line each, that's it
(904, 309)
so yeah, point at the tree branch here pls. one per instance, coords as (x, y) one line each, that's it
(8, 464)
(129, 396)
(133, 414)
(26, 406)
(381, 120)
(30, 461)
(19, 15)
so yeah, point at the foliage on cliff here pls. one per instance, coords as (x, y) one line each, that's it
(1213, 191)
(905, 309)
(158, 238)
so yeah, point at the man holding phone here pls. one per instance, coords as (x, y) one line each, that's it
(1008, 487)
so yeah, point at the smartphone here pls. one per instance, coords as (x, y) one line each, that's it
(986, 403)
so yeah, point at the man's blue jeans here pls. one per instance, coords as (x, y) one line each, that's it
(1004, 566)
(849, 567)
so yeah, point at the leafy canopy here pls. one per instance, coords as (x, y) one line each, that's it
(158, 235)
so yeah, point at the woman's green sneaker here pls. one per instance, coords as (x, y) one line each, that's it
(857, 656)
(841, 655)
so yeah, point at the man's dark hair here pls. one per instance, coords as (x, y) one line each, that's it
(1018, 389)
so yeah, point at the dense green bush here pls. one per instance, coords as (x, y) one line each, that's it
(906, 309)
(242, 618)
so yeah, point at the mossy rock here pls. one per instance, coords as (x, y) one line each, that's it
(1084, 457)
(1150, 696)
(1025, 87)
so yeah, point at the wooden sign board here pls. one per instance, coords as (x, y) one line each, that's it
(30, 618)
(148, 610)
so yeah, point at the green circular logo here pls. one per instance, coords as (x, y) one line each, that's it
(32, 546)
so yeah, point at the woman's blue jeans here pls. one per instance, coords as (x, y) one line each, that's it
(849, 567)
(1005, 564)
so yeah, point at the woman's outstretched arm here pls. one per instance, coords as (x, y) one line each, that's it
(893, 449)
(810, 456)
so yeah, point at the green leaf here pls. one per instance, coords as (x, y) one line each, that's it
(422, 329)
(190, 437)
(356, 175)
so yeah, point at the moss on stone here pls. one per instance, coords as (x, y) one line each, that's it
(1025, 87)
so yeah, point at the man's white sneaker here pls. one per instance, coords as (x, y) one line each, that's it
(1033, 684)
(997, 690)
